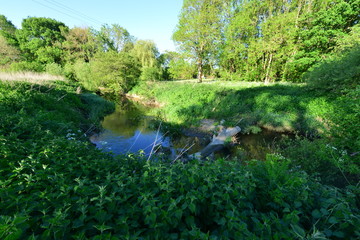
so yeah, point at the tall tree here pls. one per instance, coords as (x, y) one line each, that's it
(147, 52)
(7, 30)
(199, 31)
(80, 44)
(115, 38)
(40, 39)
(8, 53)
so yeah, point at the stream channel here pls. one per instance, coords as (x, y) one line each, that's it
(130, 129)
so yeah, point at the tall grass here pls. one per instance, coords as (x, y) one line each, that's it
(31, 77)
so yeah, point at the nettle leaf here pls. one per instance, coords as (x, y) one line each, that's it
(333, 220)
(192, 207)
(298, 231)
(316, 214)
(150, 219)
(102, 227)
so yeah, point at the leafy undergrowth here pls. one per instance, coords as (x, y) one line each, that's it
(280, 107)
(329, 121)
(55, 185)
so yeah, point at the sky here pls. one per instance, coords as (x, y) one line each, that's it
(144, 19)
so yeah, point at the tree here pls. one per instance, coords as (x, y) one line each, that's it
(40, 39)
(147, 52)
(199, 31)
(115, 38)
(79, 44)
(7, 30)
(178, 66)
(8, 53)
(118, 71)
(148, 55)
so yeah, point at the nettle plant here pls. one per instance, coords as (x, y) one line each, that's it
(55, 188)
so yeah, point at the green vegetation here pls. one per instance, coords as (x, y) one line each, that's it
(303, 58)
(54, 184)
(282, 107)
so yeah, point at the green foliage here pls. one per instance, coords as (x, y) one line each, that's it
(114, 38)
(117, 71)
(151, 74)
(337, 72)
(277, 107)
(146, 52)
(323, 160)
(54, 69)
(280, 40)
(26, 66)
(82, 72)
(7, 31)
(8, 53)
(39, 39)
(54, 184)
(180, 68)
(80, 44)
(199, 30)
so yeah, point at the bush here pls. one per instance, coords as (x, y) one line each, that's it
(54, 69)
(83, 74)
(118, 71)
(151, 74)
(27, 66)
(181, 69)
(337, 72)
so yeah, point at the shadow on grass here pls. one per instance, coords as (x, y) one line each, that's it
(281, 108)
(56, 108)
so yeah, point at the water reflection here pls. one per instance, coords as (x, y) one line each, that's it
(128, 130)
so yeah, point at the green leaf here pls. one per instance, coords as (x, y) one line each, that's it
(316, 214)
(298, 231)
(339, 234)
(192, 207)
(333, 220)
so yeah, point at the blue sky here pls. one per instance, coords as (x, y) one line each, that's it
(144, 19)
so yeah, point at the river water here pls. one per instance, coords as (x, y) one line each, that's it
(130, 130)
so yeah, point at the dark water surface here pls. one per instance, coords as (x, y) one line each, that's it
(130, 130)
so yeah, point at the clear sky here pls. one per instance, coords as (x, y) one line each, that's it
(144, 19)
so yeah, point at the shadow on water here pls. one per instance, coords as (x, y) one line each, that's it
(130, 130)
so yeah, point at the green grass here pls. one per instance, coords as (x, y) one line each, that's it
(55, 185)
(295, 108)
(280, 107)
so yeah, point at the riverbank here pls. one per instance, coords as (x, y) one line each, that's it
(55, 185)
(277, 107)
(326, 122)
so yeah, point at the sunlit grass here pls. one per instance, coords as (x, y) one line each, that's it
(31, 77)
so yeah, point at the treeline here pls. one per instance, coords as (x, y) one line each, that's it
(264, 40)
(110, 57)
(242, 40)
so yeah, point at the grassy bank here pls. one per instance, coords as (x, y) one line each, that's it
(330, 121)
(55, 185)
(285, 107)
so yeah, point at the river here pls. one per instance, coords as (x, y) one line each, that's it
(130, 129)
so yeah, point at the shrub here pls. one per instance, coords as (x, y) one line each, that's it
(54, 69)
(119, 71)
(151, 74)
(26, 66)
(83, 74)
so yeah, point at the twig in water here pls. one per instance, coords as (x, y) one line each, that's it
(182, 153)
(157, 134)
(134, 142)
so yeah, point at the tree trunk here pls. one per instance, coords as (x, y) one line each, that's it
(267, 78)
(200, 71)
